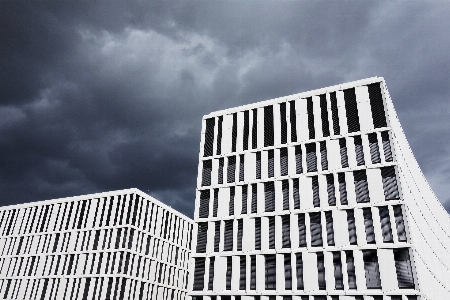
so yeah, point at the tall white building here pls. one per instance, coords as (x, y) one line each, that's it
(316, 196)
(114, 245)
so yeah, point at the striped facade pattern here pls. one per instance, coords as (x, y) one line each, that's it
(114, 245)
(302, 197)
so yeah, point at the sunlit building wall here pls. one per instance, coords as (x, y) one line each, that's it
(114, 245)
(316, 196)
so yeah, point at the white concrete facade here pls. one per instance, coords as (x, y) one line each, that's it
(316, 196)
(114, 245)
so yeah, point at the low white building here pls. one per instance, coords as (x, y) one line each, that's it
(114, 245)
(316, 196)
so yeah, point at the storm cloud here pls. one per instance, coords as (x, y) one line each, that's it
(97, 97)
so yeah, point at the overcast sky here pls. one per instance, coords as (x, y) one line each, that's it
(98, 96)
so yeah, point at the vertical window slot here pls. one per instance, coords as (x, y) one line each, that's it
(371, 269)
(284, 161)
(351, 274)
(386, 230)
(228, 236)
(373, 145)
(323, 155)
(270, 163)
(209, 137)
(399, 223)
(283, 123)
(254, 207)
(287, 272)
(257, 233)
(220, 172)
(219, 136)
(241, 167)
(324, 115)
(234, 133)
(269, 196)
(403, 268)
(204, 204)
(361, 186)
(255, 129)
(331, 190)
(246, 132)
(377, 105)
(298, 159)
(202, 237)
(321, 271)
(351, 109)
(239, 234)
(286, 231)
(271, 232)
(231, 169)
(390, 186)
(351, 227)
(330, 229)
(334, 113)
(343, 152)
(338, 277)
(299, 269)
(206, 174)
(310, 111)
(386, 146)
(311, 159)
(293, 119)
(316, 229)
(271, 274)
(315, 190)
(231, 203)
(368, 224)
(285, 190)
(296, 193)
(301, 230)
(268, 126)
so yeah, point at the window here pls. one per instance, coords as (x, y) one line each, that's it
(216, 202)
(323, 155)
(334, 113)
(342, 189)
(359, 151)
(285, 191)
(310, 109)
(399, 223)
(296, 193)
(330, 190)
(386, 146)
(244, 199)
(386, 230)
(257, 233)
(234, 133)
(271, 232)
(268, 126)
(403, 268)
(371, 269)
(315, 190)
(239, 234)
(330, 229)
(229, 272)
(231, 203)
(202, 237)
(258, 165)
(343, 152)
(324, 115)
(311, 159)
(253, 272)
(316, 229)
(287, 272)
(219, 136)
(351, 270)
(199, 273)
(228, 236)
(209, 137)
(338, 277)
(242, 269)
(376, 105)
(321, 271)
(245, 135)
(220, 172)
(351, 109)
(270, 167)
(270, 275)
(373, 145)
(298, 159)
(254, 207)
(211, 273)
(206, 175)
(231, 169)
(293, 119)
(390, 186)
(361, 186)
(351, 227)
(368, 224)
(216, 236)
(301, 230)
(241, 167)
(284, 161)
(299, 268)
(286, 231)
(269, 192)
(255, 128)
(283, 123)
(204, 204)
